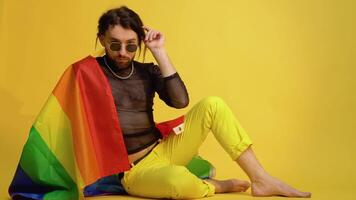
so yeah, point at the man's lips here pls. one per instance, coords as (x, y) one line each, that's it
(123, 59)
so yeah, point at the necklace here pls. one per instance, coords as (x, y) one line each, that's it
(120, 77)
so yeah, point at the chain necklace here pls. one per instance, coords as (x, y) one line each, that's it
(120, 77)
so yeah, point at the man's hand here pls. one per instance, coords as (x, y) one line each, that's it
(154, 40)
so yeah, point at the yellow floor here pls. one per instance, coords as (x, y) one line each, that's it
(317, 195)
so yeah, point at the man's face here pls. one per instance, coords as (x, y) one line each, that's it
(115, 37)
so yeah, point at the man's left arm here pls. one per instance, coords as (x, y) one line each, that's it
(171, 88)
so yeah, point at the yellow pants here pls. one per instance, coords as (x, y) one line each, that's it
(162, 173)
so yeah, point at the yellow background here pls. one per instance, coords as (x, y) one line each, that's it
(285, 67)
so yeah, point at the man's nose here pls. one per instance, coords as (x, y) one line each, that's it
(122, 50)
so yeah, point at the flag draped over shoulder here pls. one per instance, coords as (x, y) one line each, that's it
(75, 140)
(75, 146)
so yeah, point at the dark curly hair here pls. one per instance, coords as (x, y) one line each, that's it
(124, 17)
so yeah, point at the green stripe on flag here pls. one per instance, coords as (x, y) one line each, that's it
(44, 169)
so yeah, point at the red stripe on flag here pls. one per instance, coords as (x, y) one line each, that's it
(102, 117)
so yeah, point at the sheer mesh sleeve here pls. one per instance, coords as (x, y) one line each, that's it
(170, 89)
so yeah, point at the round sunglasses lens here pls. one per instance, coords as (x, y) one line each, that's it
(131, 47)
(115, 46)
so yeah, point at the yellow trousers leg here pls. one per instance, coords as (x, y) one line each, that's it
(162, 174)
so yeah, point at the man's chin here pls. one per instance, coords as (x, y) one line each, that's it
(123, 64)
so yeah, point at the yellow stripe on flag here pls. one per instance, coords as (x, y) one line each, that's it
(55, 129)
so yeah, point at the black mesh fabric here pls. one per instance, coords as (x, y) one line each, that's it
(134, 100)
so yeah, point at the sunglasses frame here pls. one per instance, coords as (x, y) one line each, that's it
(130, 47)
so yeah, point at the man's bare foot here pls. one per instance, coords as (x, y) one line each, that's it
(229, 185)
(270, 186)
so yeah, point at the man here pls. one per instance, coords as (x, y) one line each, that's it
(117, 37)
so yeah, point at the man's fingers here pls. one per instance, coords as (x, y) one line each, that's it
(155, 35)
(146, 28)
(151, 34)
(148, 35)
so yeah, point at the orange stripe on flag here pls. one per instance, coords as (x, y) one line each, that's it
(67, 93)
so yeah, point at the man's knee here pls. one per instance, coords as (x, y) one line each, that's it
(213, 103)
(212, 100)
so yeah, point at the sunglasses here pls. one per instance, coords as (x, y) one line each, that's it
(116, 46)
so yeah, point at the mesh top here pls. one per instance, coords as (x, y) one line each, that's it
(133, 99)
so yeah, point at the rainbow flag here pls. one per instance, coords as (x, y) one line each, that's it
(75, 140)
(75, 146)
